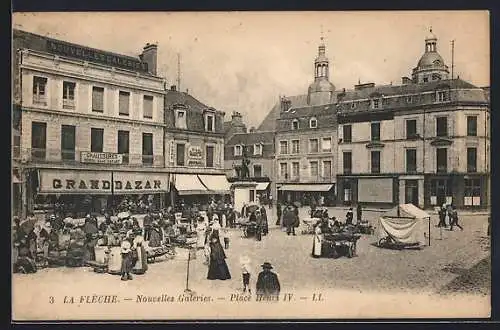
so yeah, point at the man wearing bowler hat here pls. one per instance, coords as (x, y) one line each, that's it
(267, 282)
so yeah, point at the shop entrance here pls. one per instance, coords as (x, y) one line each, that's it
(411, 192)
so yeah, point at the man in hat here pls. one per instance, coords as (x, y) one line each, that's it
(349, 216)
(268, 283)
(289, 219)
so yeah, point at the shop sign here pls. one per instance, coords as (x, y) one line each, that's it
(195, 162)
(99, 182)
(195, 152)
(101, 158)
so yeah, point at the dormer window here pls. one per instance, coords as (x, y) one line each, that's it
(313, 123)
(409, 99)
(180, 119)
(210, 122)
(257, 149)
(238, 150)
(353, 105)
(442, 96)
(295, 124)
(376, 104)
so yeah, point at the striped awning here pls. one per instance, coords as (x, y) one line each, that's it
(306, 187)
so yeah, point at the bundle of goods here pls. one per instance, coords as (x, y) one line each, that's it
(364, 227)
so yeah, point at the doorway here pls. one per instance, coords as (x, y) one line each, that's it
(411, 192)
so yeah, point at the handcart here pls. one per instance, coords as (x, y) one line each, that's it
(340, 244)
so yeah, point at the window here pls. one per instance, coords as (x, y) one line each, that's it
(238, 150)
(295, 124)
(327, 169)
(411, 160)
(471, 160)
(441, 96)
(442, 126)
(326, 144)
(409, 99)
(471, 126)
(313, 145)
(40, 90)
(97, 99)
(347, 130)
(257, 171)
(284, 170)
(375, 131)
(16, 147)
(68, 138)
(180, 154)
(347, 161)
(295, 146)
(472, 193)
(295, 170)
(123, 145)
(38, 140)
(314, 169)
(257, 149)
(209, 156)
(313, 123)
(375, 161)
(442, 160)
(209, 122)
(411, 129)
(147, 148)
(426, 79)
(123, 103)
(68, 95)
(147, 104)
(353, 105)
(96, 139)
(180, 119)
(375, 103)
(283, 147)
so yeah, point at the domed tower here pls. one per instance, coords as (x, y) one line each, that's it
(321, 90)
(431, 66)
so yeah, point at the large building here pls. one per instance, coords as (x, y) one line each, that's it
(194, 148)
(89, 125)
(426, 141)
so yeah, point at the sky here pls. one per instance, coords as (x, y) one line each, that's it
(243, 61)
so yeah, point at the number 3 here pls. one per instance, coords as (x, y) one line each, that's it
(51, 300)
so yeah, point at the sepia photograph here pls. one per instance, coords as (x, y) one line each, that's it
(250, 165)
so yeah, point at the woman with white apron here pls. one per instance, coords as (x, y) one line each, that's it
(141, 265)
(317, 242)
(201, 229)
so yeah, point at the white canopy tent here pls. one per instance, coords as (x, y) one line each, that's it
(406, 224)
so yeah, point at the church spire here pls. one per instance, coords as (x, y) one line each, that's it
(321, 64)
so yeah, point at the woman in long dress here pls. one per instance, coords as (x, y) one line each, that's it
(317, 242)
(217, 267)
(201, 229)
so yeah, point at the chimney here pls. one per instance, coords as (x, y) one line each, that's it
(173, 88)
(405, 80)
(236, 118)
(363, 86)
(149, 55)
(286, 104)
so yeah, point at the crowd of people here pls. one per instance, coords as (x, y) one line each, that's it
(448, 212)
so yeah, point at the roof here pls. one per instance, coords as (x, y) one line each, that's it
(321, 85)
(308, 111)
(251, 138)
(269, 122)
(429, 59)
(176, 97)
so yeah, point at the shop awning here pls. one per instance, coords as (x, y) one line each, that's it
(306, 187)
(189, 184)
(262, 186)
(216, 183)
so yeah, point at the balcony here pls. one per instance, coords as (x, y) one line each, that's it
(147, 160)
(68, 104)
(39, 99)
(411, 169)
(442, 169)
(471, 168)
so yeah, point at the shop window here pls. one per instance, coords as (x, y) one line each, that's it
(147, 105)
(411, 160)
(375, 131)
(347, 162)
(257, 171)
(295, 146)
(375, 161)
(347, 191)
(96, 139)
(471, 126)
(326, 144)
(38, 140)
(284, 170)
(180, 154)
(411, 129)
(442, 160)
(347, 130)
(442, 126)
(68, 95)
(295, 170)
(471, 160)
(123, 145)
(472, 193)
(68, 138)
(209, 156)
(313, 146)
(40, 90)
(313, 166)
(147, 148)
(97, 99)
(283, 147)
(441, 191)
(180, 119)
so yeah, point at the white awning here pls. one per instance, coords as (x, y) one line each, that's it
(262, 186)
(306, 187)
(216, 183)
(189, 184)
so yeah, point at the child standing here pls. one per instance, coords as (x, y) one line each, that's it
(225, 235)
(246, 271)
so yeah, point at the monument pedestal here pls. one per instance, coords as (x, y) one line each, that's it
(244, 192)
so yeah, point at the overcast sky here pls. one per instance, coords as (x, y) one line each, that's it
(243, 61)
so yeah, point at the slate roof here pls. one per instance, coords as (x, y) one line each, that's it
(269, 122)
(251, 138)
(309, 111)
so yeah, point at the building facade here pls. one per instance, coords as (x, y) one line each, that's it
(194, 148)
(91, 124)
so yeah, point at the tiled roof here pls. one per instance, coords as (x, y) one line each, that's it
(251, 138)
(269, 122)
